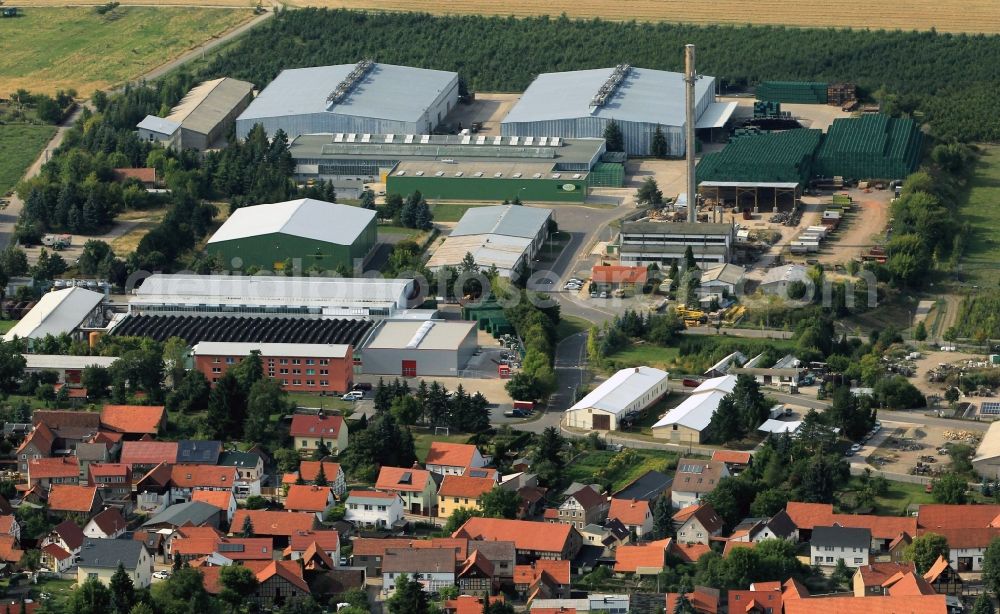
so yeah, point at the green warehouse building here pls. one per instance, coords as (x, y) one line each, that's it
(317, 233)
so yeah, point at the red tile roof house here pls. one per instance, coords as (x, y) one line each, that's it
(697, 524)
(612, 277)
(134, 421)
(645, 560)
(280, 525)
(969, 529)
(309, 471)
(221, 499)
(113, 479)
(545, 579)
(308, 431)
(703, 600)
(416, 487)
(10, 526)
(10, 551)
(45, 472)
(453, 458)
(67, 535)
(868, 579)
(754, 601)
(277, 581)
(532, 540)
(635, 514)
(327, 541)
(146, 176)
(369, 553)
(38, 444)
(109, 524)
(735, 460)
(233, 548)
(584, 506)
(55, 558)
(884, 529)
(313, 499)
(74, 501)
(909, 604)
(476, 576)
(145, 455)
(184, 479)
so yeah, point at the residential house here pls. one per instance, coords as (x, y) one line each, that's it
(371, 508)
(767, 601)
(113, 480)
(368, 553)
(280, 582)
(155, 542)
(468, 604)
(55, 558)
(69, 427)
(308, 431)
(694, 479)
(735, 460)
(476, 576)
(198, 452)
(10, 526)
(73, 500)
(327, 541)
(830, 544)
(10, 551)
(884, 529)
(235, 549)
(189, 514)
(109, 524)
(897, 547)
(38, 444)
(608, 278)
(281, 525)
(67, 536)
(143, 456)
(649, 486)
(184, 479)
(152, 490)
(943, 578)
(703, 600)
(594, 602)
(868, 579)
(249, 471)
(642, 560)
(44, 472)
(134, 421)
(189, 532)
(91, 453)
(99, 559)
(889, 604)
(697, 524)
(313, 499)
(309, 472)
(908, 583)
(635, 514)
(462, 491)
(545, 579)
(779, 526)
(533, 540)
(969, 529)
(433, 568)
(416, 487)
(452, 458)
(721, 280)
(584, 506)
(222, 499)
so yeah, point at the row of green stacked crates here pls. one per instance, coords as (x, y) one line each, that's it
(490, 317)
(870, 147)
(783, 157)
(606, 175)
(805, 92)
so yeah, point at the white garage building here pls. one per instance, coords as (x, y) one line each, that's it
(687, 422)
(623, 396)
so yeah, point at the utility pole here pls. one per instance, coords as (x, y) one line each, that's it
(690, 77)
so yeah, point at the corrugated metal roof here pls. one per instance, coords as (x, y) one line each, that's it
(158, 124)
(387, 92)
(787, 272)
(229, 348)
(487, 250)
(207, 104)
(308, 218)
(716, 115)
(437, 336)
(696, 411)
(57, 361)
(622, 389)
(645, 95)
(508, 220)
(56, 313)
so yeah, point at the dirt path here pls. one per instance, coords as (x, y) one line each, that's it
(864, 223)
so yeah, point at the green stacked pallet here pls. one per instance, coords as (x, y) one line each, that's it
(782, 157)
(870, 147)
(805, 92)
(606, 175)
(766, 109)
(489, 317)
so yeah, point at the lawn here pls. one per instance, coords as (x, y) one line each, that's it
(450, 212)
(647, 354)
(981, 211)
(422, 441)
(59, 588)
(571, 325)
(899, 496)
(308, 399)
(6, 325)
(49, 49)
(586, 467)
(20, 145)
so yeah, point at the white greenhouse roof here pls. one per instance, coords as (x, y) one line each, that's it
(56, 313)
(622, 389)
(716, 115)
(311, 219)
(644, 95)
(696, 411)
(387, 91)
(311, 350)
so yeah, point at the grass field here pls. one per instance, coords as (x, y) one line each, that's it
(19, 147)
(647, 354)
(60, 48)
(6, 325)
(422, 441)
(583, 468)
(895, 501)
(981, 211)
(450, 213)
(571, 325)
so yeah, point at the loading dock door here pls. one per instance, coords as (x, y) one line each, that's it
(602, 422)
(409, 368)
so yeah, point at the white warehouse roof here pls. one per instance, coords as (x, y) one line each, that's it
(415, 335)
(56, 313)
(307, 218)
(59, 361)
(310, 350)
(507, 220)
(696, 411)
(644, 95)
(387, 91)
(622, 389)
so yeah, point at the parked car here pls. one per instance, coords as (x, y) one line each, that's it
(163, 574)
(515, 413)
(362, 386)
(856, 447)
(354, 395)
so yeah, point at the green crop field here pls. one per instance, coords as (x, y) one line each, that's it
(20, 144)
(981, 211)
(61, 48)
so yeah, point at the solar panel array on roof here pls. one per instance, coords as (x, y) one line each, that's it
(194, 329)
(224, 547)
(990, 408)
(691, 468)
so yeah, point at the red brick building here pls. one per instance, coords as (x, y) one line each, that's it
(296, 366)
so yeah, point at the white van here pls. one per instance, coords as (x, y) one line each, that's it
(354, 395)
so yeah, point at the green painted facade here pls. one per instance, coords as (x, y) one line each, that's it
(490, 188)
(270, 251)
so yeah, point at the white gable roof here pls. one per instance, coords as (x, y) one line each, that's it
(622, 389)
(697, 410)
(308, 218)
(56, 313)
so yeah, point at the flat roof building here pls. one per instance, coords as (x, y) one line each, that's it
(314, 232)
(308, 367)
(505, 236)
(202, 118)
(581, 103)
(363, 98)
(59, 312)
(621, 397)
(661, 243)
(413, 349)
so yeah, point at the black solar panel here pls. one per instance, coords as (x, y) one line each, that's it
(194, 329)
